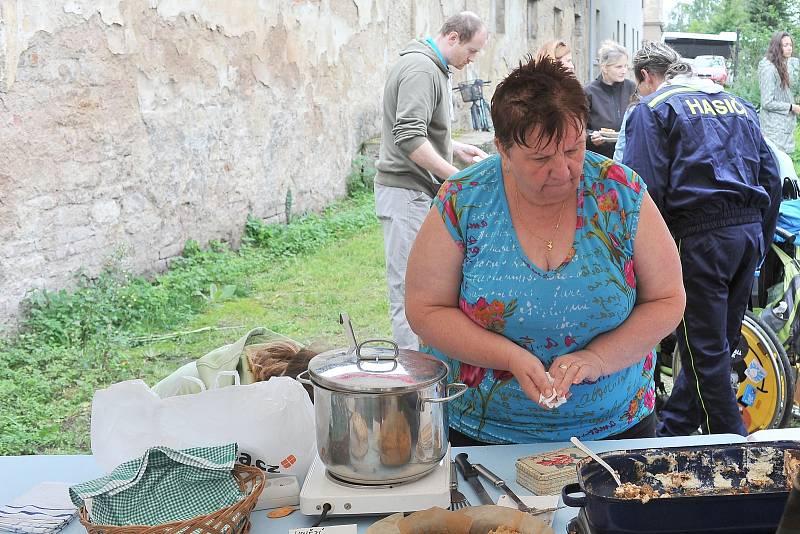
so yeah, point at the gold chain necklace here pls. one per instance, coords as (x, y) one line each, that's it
(548, 243)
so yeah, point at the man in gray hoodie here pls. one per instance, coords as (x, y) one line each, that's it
(416, 148)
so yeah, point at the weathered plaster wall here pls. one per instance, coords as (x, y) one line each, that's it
(653, 20)
(137, 124)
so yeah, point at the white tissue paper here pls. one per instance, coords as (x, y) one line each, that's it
(553, 401)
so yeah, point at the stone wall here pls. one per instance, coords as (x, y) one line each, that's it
(133, 125)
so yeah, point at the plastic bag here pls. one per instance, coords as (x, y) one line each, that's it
(272, 422)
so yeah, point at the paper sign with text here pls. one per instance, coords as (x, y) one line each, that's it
(337, 529)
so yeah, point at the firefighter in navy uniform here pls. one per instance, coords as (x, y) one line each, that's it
(712, 176)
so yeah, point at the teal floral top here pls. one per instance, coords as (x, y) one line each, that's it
(549, 313)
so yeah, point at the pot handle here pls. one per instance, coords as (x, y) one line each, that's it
(378, 356)
(305, 381)
(462, 388)
(569, 500)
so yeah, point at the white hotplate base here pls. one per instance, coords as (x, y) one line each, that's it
(432, 489)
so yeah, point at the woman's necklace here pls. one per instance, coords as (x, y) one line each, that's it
(548, 243)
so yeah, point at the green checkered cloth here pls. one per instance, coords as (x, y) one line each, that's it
(162, 486)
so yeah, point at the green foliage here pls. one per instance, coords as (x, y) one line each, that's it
(755, 20)
(219, 293)
(118, 305)
(309, 232)
(746, 86)
(75, 342)
(796, 155)
(361, 175)
(771, 14)
(714, 16)
(708, 16)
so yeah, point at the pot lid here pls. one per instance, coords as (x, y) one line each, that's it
(375, 369)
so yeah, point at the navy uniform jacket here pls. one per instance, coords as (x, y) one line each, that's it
(701, 153)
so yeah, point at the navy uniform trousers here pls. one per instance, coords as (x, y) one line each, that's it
(718, 271)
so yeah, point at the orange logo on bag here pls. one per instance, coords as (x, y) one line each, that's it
(289, 461)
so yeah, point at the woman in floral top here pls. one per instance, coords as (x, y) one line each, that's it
(545, 259)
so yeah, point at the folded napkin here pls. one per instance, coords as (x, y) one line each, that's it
(44, 509)
(554, 400)
(162, 486)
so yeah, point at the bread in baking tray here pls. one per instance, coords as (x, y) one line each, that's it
(503, 529)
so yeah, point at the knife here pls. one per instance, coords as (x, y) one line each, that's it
(500, 483)
(470, 474)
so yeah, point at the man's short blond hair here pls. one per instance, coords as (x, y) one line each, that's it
(466, 24)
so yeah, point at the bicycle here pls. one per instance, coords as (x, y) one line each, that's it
(479, 111)
(764, 403)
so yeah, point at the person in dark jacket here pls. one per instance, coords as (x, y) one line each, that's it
(608, 98)
(710, 172)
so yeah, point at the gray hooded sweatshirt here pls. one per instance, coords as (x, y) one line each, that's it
(416, 107)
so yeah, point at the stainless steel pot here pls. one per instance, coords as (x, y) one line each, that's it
(381, 416)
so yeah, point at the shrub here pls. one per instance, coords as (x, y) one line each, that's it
(362, 175)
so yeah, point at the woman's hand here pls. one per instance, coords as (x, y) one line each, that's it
(597, 139)
(574, 368)
(795, 109)
(530, 373)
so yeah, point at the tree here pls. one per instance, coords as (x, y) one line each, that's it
(756, 20)
(686, 16)
(769, 13)
(709, 16)
(730, 16)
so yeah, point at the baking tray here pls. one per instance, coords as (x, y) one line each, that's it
(692, 478)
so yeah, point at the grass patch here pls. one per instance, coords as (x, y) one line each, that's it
(292, 279)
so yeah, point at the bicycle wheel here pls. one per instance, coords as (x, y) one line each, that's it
(771, 406)
(475, 114)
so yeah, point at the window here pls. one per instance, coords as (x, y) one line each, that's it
(577, 39)
(558, 22)
(533, 18)
(596, 33)
(500, 16)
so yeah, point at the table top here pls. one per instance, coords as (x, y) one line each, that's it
(20, 473)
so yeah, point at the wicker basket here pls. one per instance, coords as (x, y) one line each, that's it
(471, 91)
(234, 519)
(547, 473)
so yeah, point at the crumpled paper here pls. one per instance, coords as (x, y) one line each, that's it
(469, 520)
(553, 401)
